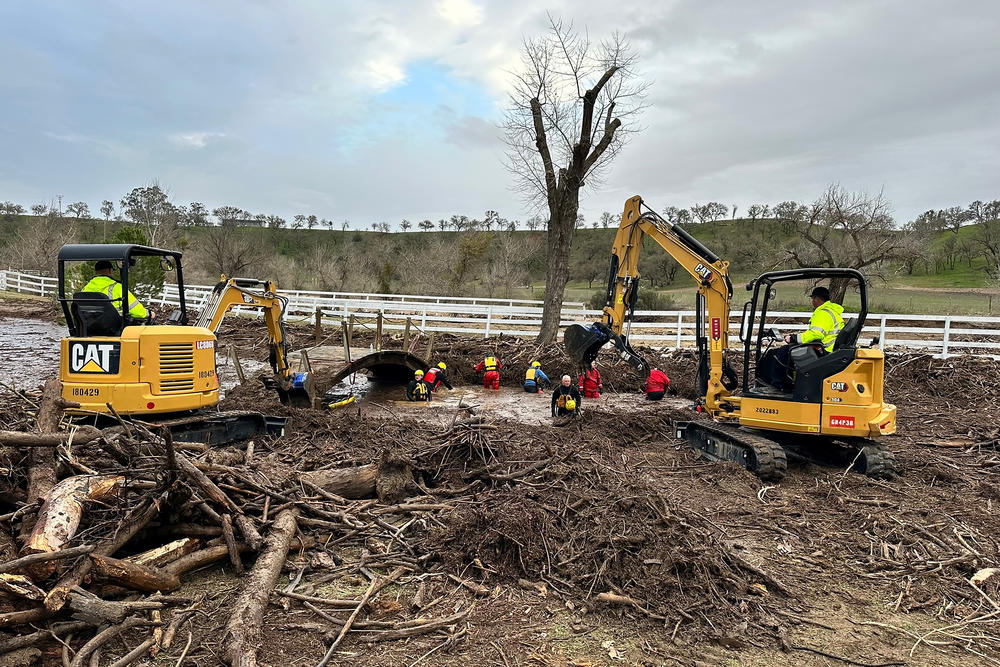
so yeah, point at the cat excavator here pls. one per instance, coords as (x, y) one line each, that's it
(834, 411)
(112, 362)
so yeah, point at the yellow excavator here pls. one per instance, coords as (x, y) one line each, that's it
(834, 410)
(115, 363)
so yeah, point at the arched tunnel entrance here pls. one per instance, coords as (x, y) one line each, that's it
(386, 367)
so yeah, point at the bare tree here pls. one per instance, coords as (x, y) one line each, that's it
(847, 229)
(507, 267)
(425, 225)
(34, 247)
(607, 219)
(571, 111)
(987, 235)
(405, 225)
(231, 251)
(754, 211)
(107, 209)
(39, 209)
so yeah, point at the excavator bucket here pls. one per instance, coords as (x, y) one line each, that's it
(298, 392)
(583, 343)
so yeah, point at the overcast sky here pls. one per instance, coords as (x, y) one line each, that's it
(372, 111)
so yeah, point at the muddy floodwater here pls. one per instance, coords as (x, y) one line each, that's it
(30, 349)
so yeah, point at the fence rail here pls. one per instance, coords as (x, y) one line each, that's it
(939, 334)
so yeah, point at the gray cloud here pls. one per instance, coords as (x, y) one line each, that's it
(284, 108)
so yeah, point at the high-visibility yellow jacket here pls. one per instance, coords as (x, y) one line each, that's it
(824, 325)
(113, 289)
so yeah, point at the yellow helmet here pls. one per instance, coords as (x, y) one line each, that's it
(570, 404)
(442, 366)
(418, 373)
(535, 364)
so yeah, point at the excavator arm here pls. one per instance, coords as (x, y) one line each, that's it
(293, 388)
(716, 379)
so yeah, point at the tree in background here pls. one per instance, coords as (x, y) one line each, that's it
(150, 208)
(607, 219)
(846, 229)
(568, 118)
(405, 225)
(311, 221)
(425, 225)
(79, 209)
(39, 209)
(8, 210)
(232, 251)
(987, 235)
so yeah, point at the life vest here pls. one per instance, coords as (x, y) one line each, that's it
(420, 391)
(490, 363)
(529, 376)
(431, 376)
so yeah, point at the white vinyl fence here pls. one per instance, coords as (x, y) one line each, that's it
(938, 334)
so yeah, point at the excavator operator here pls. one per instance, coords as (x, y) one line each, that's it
(826, 322)
(104, 282)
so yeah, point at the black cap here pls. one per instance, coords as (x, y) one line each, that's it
(102, 265)
(821, 293)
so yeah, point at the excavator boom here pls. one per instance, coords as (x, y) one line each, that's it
(294, 389)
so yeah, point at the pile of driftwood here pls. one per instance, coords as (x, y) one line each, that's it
(115, 519)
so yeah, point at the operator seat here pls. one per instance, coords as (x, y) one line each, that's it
(848, 336)
(94, 314)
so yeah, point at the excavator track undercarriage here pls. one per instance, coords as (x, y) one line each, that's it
(761, 456)
(768, 459)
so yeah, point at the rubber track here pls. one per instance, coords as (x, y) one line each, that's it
(880, 462)
(772, 463)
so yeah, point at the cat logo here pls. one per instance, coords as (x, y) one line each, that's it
(87, 357)
(704, 272)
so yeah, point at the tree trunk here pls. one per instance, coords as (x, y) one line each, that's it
(838, 288)
(562, 225)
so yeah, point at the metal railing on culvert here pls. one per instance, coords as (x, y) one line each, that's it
(942, 335)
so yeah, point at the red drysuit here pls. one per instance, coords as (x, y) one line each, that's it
(491, 378)
(590, 384)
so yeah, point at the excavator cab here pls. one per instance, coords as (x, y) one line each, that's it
(810, 363)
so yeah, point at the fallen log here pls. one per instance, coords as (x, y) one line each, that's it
(97, 611)
(61, 512)
(25, 561)
(167, 553)
(242, 637)
(36, 638)
(81, 436)
(207, 556)
(391, 479)
(42, 460)
(56, 598)
(134, 576)
(351, 483)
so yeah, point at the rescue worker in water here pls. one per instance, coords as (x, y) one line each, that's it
(590, 382)
(491, 378)
(104, 282)
(566, 399)
(418, 390)
(535, 379)
(436, 377)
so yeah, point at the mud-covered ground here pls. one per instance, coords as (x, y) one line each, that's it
(608, 541)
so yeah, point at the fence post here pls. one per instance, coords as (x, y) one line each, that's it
(378, 332)
(882, 334)
(406, 333)
(3, 281)
(489, 320)
(318, 327)
(947, 335)
(680, 322)
(345, 333)
(237, 366)
(423, 319)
